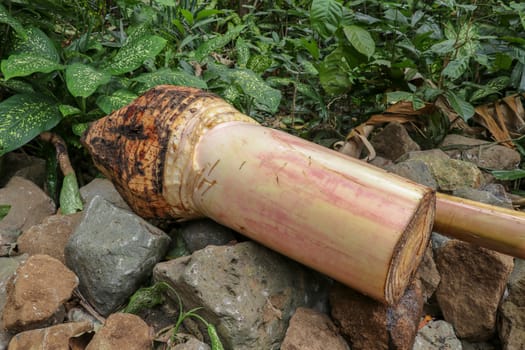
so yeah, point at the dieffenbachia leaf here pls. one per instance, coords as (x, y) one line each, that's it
(23, 117)
(171, 77)
(37, 43)
(117, 100)
(70, 200)
(83, 80)
(266, 97)
(132, 55)
(217, 42)
(24, 64)
(6, 18)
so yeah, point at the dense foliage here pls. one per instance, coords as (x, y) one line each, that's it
(314, 67)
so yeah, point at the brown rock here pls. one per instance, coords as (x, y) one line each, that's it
(49, 237)
(511, 318)
(23, 165)
(393, 141)
(122, 331)
(428, 274)
(312, 330)
(36, 292)
(50, 338)
(472, 283)
(29, 206)
(367, 324)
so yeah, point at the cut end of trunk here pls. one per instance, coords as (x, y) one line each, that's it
(410, 249)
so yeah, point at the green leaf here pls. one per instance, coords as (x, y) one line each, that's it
(68, 110)
(171, 77)
(259, 63)
(132, 55)
(217, 43)
(79, 128)
(215, 341)
(117, 100)
(24, 64)
(444, 47)
(508, 175)
(456, 68)
(460, 106)
(360, 39)
(4, 210)
(83, 80)
(70, 200)
(147, 297)
(325, 16)
(333, 74)
(397, 96)
(24, 116)
(6, 18)
(266, 97)
(243, 52)
(37, 43)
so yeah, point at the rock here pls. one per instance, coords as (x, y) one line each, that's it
(428, 274)
(105, 189)
(49, 237)
(381, 162)
(246, 290)
(415, 170)
(478, 346)
(29, 206)
(36, 292)
(482, 196)
(113, 251)
(122, 331)
(8, 267)
(368, 324)
(393, 141)
(449, 174)
(198, 234)
(437, 335)
(472, 283)
(22, 165)
(511, 320)
(312, 330)
(191, 343)
(483, 154)
(50, 338)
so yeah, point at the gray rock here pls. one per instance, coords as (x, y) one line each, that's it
(477, 346)
(8, 267)
(482, 153)
(113, 251)
(415, 170)
(29, 206)
(105, 189)
(472, 284)
(247, 291)
(393, 141)
(449, 174)
(198, 234)
(482, 196)
(437, 335)
(191, 343)
(428, 274)
(312, 330)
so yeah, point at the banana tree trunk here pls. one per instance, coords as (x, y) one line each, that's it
(183, 153)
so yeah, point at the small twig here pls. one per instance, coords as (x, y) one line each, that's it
(87, 306)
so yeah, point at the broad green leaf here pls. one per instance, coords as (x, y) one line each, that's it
(333, 74)
(243, 52)
(24, 116)
(18, 86)
(325, 16)
(216, 43)
(70, 200)
(443, 47)
(252, 85)
(311, 47)
(37, 43)
(456, 68)
(6, 18)
(117, 100)
(68, 110)
(259, 63)
(460, 106)
(83, 80)
(24, 64)
(80, 128)
(4, 210)
(360, 39)
(132, 55)
(169, 3)
(397, 96)
(508, 175)
(207, 13)
(169, 76)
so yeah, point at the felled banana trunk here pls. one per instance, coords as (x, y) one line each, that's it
(179, 152)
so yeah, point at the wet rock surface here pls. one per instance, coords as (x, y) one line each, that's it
(122, 331)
